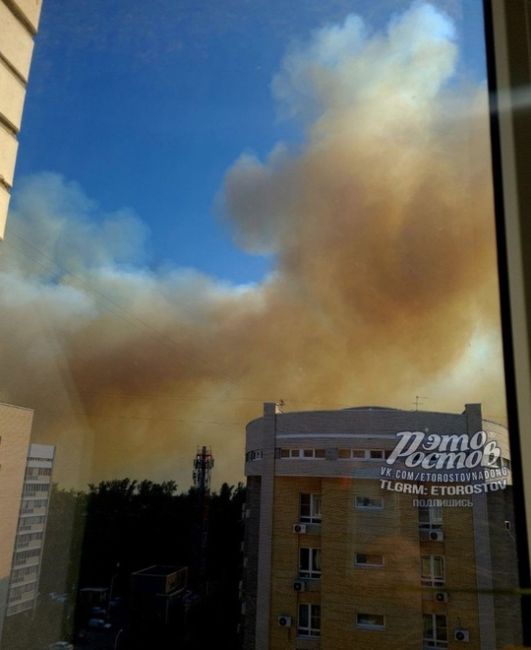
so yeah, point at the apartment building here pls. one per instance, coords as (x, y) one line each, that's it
(19, 20)
(29, 541)
(347, 546)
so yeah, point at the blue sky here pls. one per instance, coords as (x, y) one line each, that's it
(146, 106)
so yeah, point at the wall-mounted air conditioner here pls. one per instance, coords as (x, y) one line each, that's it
(461, 635)
(430, 535)
(300, 529)
(436, 536)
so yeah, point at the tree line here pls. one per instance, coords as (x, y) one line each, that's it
(98, 537)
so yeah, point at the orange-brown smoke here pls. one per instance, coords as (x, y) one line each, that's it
(384, 288)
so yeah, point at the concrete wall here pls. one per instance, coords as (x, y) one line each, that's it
(15, 430)
(18, 24)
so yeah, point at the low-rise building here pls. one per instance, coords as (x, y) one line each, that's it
(156, 591)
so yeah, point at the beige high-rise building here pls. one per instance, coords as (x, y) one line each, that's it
(15, 431)
(347, 546)
(19, 20)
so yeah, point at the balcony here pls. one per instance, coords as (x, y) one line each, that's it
(22, 563)
(30, 528)
(25, 579)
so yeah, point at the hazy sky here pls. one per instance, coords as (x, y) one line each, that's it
(219, 204)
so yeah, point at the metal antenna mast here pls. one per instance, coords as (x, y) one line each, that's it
(203, 464)
(417, 401)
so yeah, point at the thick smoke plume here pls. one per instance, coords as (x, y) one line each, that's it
(385, 285)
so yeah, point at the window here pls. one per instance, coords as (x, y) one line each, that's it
(368, 559)
(303, 453)
(309, 623)
(435, 631)
(369, 503)
(431, 517)
(432, 570)
(370, 621)
(363, 454)
(310, 562)
(313, 453)
(310, 508)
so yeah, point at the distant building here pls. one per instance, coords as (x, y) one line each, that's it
(19, 20)
(29, 541)
(334, 560)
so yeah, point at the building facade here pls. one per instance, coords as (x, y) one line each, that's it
(339, 556)
(19, 20)
(29, 541)
(15, 431)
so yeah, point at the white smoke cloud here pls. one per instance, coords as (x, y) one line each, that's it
(346, 68)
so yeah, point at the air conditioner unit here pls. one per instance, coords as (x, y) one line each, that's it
(299, 585)
(441, 596)
(461, 635)
(299, 528)
(436, 536)
(284, 621)
(431, 535)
